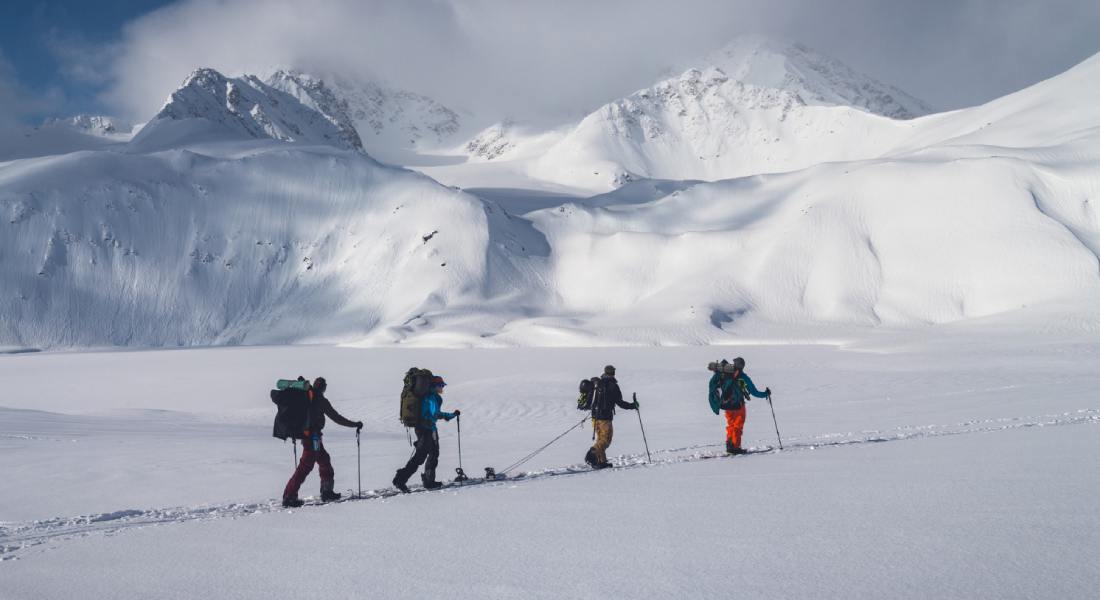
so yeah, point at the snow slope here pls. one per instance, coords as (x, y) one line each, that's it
(61, 136)
(278, 245)
(885, 477)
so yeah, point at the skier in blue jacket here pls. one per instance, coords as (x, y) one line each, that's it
(427, 440)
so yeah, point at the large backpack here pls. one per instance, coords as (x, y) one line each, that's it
(291, 396)
(587, 390)
(418, 383)
(735, 396)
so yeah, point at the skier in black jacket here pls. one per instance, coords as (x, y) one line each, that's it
(313, 449)
(605, 397)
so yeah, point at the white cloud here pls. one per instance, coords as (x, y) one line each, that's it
(526, 57)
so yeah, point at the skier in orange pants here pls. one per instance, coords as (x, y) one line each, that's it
(735, 424)
(730, 388)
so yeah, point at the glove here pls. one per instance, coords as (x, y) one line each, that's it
(767, 391)
(358, 425)
(457, 412)
(636, 405)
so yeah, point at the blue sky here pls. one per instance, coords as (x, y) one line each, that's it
(34, 37)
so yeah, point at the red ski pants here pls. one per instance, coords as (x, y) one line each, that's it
(305, 466)
(735, 424)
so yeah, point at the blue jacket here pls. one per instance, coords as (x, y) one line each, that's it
(721, 386)
(430, 411)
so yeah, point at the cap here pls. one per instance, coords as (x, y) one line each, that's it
(609, 370)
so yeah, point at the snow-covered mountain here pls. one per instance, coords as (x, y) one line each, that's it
(217, 226)
(190, 236)
(92, 124)
(754, 106)
(707, 125)
(813, 77)
(211, 106)
(390, 122)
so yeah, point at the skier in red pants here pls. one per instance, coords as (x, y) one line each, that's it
(313, 450)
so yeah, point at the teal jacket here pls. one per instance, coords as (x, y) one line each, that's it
(722, 386)
(430, 411)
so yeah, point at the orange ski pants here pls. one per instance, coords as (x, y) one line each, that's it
(735, 424)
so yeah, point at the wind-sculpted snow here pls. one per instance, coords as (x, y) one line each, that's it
(836, 243)
(278, 245)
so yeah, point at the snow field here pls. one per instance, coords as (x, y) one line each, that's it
(912, 468)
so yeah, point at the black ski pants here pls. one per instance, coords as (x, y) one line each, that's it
(425, 449)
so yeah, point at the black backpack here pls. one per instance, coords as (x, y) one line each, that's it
(587, 390)
(417, 385)
(291, 396)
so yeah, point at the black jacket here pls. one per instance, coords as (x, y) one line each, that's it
(605, 397)
(319, 406)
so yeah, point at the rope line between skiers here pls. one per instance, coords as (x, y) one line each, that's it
(523, 460)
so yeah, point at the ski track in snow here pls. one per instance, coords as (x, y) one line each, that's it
(18, 538)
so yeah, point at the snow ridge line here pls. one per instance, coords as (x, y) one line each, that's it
(15, 538)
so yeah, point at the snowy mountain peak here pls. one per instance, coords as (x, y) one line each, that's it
(813, 76)
(92, 124)
(389, 121)
(210, 105)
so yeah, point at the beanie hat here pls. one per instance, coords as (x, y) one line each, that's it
(609, 370)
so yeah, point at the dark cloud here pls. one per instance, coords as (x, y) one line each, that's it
(528, 58)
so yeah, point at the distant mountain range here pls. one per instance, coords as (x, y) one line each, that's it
(772, 189)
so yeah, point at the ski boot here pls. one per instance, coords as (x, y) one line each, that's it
(603, 465)
(292, 503)
(400, 483)
(327, 495)
(590, 458)
(429, 481)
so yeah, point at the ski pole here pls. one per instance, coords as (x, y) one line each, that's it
(648, 458)
(358, 463)
(777, 436)
(460, 475)
(295, 452)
